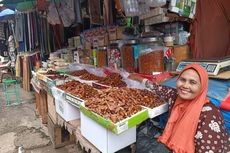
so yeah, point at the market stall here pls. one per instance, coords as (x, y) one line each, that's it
(78, 55)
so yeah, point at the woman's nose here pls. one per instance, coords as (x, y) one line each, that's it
(186, 84)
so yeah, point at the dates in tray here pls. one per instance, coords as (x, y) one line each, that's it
(78, 89)
(89, 76)
(113, 80)
(116, 104)
(51, 72)
(79, 72)
(58, 76)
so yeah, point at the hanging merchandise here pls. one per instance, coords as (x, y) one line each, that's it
(66, 12)
(52, 16)
(25, 64)
(19, 27)
(41, 5)
(2, 33)
(77, 11)
(3, 47)
(32, 32)
(11, 49)
(95, 11)
(44, 39)
(61, 13)
(107, 12)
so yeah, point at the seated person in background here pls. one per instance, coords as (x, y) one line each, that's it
(195, 125)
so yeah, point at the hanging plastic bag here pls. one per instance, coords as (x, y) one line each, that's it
(52, 16)
(66, 12)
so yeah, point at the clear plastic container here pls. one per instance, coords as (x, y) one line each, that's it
(127, 54)
(149, 44)
(101, 57)
(114, 55)
(151, 56)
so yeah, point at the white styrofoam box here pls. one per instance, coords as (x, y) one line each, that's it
(103, 139)
(67, 111)
(58, 93)
(157, 110)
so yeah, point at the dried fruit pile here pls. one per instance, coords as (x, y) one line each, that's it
(85, 75)
(89, 76)
(117, 104)
(146, 98)
(78, 89)
(51, 72)
(58, 76)
(79, 72)
(113, 80)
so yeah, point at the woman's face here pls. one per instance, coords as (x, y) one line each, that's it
(188, 85)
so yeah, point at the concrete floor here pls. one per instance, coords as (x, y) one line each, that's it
(21, 127)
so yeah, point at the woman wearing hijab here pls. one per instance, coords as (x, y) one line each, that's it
(195, 125)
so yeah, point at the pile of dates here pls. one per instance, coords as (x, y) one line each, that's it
(51, 72)
(79, 72)
(89, 76)
(113, 80)
(57, 76)
(77, 89)
(113, 104)
(116, 104)
(146, 98)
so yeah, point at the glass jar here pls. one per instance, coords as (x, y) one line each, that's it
(150, 43)
(102, 57)
(151, 55)
(114, 55)
(128, 55)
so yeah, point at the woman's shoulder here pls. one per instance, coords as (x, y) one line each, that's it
(210, 106)
(209, 109)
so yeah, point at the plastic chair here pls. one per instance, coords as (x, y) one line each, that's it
(11, 88)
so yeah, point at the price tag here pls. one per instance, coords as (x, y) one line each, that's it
(73, 100)
(122, 127)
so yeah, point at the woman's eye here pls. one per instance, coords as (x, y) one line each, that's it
(193, 82)
(182, 80)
